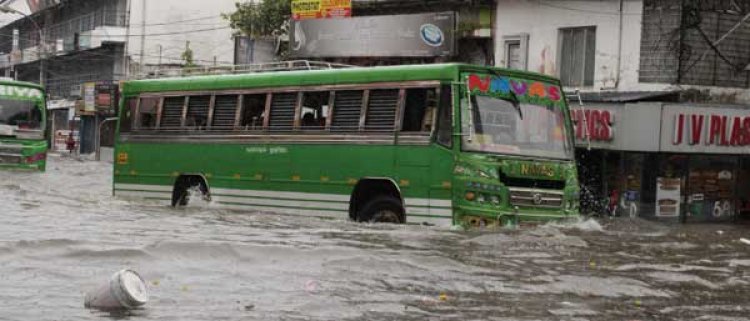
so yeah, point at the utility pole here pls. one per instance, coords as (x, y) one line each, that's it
(160, 48)
(125, 54)
(143, 35)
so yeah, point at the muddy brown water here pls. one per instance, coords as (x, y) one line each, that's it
(61, 233)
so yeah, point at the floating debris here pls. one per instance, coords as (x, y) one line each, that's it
(124, 290)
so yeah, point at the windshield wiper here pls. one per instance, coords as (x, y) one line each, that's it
(516, 104)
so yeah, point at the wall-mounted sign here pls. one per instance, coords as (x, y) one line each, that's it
(593, 124)
(415, 35)
(705, 130)
(316, 9)
(89, 97)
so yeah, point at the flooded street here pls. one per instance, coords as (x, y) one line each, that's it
(61, 234)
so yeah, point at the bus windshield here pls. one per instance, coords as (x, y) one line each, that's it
(504, 126)
(20, 114)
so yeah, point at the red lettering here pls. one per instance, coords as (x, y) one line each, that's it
(593, 124)
(714, 130)
(604, 122)
(696, 128)
(724, 128)
(553, 92)
(482, 84)
(679, 125)
(736, 137)
(746, 124)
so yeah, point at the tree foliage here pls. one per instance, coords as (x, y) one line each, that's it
(187, 56)
(263, 18)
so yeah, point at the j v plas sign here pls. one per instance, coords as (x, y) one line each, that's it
(20, 92)
(711, 129)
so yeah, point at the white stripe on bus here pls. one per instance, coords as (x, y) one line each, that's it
(140, 187)
(286, 210)
(409, 202)
(280, 194)
(430, 211)
(288, 203)
(427, 202)
(143, 194)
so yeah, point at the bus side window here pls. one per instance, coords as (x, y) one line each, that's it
(225, 112)
(197, 112)
(283, 107)
(445, 121)
(126, 119)
(253, 107)
(419, 113)
(314, 110)
(347, 107)
(147, 113)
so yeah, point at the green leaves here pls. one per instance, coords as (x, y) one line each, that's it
(266, 18)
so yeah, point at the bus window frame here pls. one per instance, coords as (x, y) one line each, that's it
(402, 87)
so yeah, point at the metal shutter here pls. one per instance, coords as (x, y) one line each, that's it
(225, 110)
(282, 111)
(381, 110)
(347, 107)
(172, 114)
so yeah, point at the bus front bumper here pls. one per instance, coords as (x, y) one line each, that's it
(471, 216)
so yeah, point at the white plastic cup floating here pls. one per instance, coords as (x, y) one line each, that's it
(124, 290)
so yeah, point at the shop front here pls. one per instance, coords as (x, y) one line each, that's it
(672, 162)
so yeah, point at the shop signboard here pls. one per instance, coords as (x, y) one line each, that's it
(668, 197)
(414, 35)
(316, 9)
(106, 96)
(710, 130)
(596, 125)
(89, 97)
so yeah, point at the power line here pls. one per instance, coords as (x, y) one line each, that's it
(561, 7)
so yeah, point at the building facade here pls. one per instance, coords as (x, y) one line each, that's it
(659, 94)
(72, 45)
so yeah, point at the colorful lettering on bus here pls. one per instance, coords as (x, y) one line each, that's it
(436, 144)
(22, 126)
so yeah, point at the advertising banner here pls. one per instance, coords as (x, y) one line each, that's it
(317, 9)
(415, 35)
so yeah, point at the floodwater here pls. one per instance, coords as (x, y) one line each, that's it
(61, 234)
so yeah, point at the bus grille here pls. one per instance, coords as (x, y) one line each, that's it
(10, 159)
(536, 198)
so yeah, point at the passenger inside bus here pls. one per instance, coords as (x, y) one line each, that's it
(253, 110)
(314, 110)
(420, 110)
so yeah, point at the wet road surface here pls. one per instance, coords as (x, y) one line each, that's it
(61, 233)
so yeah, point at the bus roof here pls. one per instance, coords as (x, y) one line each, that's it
(11, 82)
(445, 72)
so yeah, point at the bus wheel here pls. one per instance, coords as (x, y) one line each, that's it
(383, 209)
(183, 188)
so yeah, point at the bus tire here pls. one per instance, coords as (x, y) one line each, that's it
(382, 209)
(180, 192)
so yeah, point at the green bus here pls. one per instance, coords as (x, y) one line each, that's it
(445, 144)
(23, 110)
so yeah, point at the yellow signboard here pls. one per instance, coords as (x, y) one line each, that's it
(317, 9)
